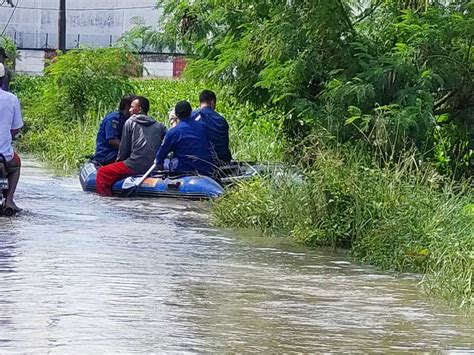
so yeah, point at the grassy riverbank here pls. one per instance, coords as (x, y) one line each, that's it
(401, 217)
(392, 210)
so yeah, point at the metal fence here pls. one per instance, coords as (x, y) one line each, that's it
(27, 40)
(50, 40)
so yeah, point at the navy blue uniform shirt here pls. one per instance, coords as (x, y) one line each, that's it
(189, 143)
(218, 131)
(110, 128)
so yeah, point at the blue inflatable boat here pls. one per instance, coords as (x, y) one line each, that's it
(163, 185)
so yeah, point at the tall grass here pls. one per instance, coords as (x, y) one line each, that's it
(63, 145)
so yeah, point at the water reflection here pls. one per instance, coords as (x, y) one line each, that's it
(7, 276)
(79, 273)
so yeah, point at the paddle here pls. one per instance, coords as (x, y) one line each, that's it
(133, 189)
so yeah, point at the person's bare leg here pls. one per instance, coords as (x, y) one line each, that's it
(13, 179)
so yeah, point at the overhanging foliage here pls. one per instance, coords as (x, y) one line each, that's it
(347, 66)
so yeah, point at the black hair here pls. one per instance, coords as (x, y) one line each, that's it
(143, 103)
(207, 96)
(126, 101)
(183, 109)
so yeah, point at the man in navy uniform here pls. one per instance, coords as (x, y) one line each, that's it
(110, 132)
(216, 126)
(189, 144)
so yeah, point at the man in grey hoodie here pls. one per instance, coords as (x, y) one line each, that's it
(141, 138)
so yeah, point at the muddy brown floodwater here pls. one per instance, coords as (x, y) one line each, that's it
(84, 274)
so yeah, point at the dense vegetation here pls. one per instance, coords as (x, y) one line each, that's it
(342, 66)
(374, 106)
(10, 48)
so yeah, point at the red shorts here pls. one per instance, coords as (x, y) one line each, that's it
(108, 175)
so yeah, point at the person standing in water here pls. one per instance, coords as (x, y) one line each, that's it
(10, 124)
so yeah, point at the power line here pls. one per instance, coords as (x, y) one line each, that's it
(85, 9)
(9, 2)
(11, 16)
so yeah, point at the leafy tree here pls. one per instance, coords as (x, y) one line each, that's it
(352, 67)
(262, 51)
(10, 48)
(420, 62)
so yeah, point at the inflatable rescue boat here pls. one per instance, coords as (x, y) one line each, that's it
(162, 184)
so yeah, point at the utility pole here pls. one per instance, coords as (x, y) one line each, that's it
(62, 26)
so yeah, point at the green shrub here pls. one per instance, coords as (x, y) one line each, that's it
(84, 79)
(63, 145)
(10, 48)
(28, 89)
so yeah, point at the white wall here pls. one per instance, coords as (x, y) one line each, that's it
(31, 62)
(33, 19)
(158, 69)
(34, 25)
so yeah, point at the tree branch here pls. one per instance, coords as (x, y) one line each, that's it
(369, 12)
(346, 16)
(444, 99)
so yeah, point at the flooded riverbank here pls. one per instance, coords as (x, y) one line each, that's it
(80, 273)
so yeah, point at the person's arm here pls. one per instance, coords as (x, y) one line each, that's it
(125, 148)
(226, 139)
(165, 149)
(15, 133)
(17, 119)
(112, 133)
(114, 142)
(173, 119)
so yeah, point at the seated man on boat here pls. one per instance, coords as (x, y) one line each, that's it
(110, 132)
(216, 126)
(189, 143)
(10, 124)
(141, 138)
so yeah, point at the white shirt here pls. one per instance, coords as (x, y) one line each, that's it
(10, 118)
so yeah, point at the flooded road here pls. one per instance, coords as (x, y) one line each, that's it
(83, 274)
